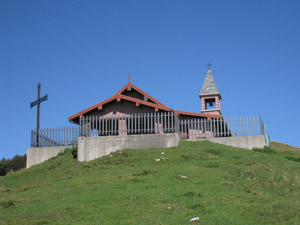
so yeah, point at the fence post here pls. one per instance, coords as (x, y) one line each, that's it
(31, 140)
(215, 121)
(80, 126)
(261, 127)
(176, 121)
(188, 133)
(191, 130)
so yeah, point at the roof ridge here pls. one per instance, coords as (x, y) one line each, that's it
(141, 92)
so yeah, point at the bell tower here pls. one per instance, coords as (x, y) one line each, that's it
(210, 96)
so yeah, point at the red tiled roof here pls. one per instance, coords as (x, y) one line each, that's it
(157, 104)
(92, 107)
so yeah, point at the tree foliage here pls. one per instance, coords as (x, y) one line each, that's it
(14, 164)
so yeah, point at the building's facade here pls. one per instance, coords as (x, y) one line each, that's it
(131, 100)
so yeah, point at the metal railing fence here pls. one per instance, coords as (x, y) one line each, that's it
(54, 137)
(122, 124)
(149, 123)
(221, 127)
(265, 133)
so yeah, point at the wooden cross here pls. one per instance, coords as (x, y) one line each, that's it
(208, 66)
(38, 102)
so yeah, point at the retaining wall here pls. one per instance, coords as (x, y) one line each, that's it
(248, 142)
(39, 155)
(90, 148)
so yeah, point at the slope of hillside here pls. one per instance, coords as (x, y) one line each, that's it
(283, 147)
(218, 184)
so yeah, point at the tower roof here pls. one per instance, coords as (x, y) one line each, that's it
(209, 86)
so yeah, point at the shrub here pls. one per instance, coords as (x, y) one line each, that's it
(18, 162)
(3, 167)
(265, 150)
(74, 152)
(292, 158)
(8, 204)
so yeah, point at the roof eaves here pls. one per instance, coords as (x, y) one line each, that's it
(196, 114)
(162, 107)
(92, 107)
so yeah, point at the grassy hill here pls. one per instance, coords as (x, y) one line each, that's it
(283, 147)
(218, 184)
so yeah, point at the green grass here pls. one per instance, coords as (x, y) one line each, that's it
(283, 147)
(224, 185)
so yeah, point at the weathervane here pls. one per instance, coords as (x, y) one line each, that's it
(208, 66)
(38, 102)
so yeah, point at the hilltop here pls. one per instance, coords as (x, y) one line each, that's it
(281, 147)
(217, 183)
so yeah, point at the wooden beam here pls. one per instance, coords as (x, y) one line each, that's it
(118, 99)
(100, 107)
(156, 109)
(137, 104)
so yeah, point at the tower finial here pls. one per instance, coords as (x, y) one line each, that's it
(129, 77)
(209, 65)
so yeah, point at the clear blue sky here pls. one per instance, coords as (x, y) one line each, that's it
(82, 52)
